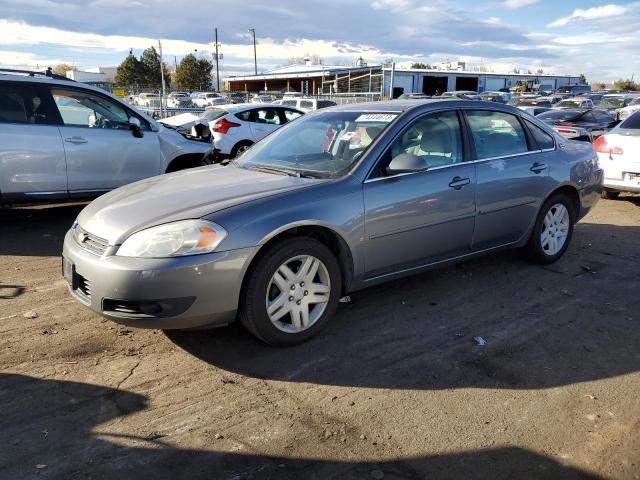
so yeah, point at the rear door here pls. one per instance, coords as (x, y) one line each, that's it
(32, 160)
(102, 152)
(512, 173)
(264, 121)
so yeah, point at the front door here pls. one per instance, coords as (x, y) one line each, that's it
(513, 176)
(416, 218)
(102, 152)
(32, 161)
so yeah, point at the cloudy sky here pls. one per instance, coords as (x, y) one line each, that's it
(588, 36)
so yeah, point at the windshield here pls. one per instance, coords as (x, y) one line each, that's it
(324, 145)
(569, 104)
(611, 103)
(561, 115)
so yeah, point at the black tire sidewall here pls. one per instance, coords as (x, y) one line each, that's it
(238, 146)
(254, 313)
(536, 252)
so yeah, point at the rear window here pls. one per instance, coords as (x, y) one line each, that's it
(632, 123)
(214, 113)
(555, 115)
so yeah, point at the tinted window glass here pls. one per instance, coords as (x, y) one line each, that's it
(21, 104)
(291, 114)
(602, 117)
(244, 116)
(214, 113)
(633, 122)
(436, 138)
(289, 103)
(83, 109)
(496, 134)
(306, 104)
(267, 115)
(542, 138)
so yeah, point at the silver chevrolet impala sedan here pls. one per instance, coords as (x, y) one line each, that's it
(334, 202)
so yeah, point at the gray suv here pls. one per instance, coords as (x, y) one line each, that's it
(60, 139)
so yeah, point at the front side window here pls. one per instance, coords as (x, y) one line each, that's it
(325, 145)
(84, 109)
(22, 104)
(436, 138)
(291, 114)
(496, 134)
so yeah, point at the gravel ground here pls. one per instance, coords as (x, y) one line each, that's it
(395, 387)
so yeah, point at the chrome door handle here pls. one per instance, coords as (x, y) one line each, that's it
(458, 182)
(76, 140)
(538, 167)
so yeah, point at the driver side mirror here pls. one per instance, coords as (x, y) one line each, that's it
(136, 127)
(406, 163)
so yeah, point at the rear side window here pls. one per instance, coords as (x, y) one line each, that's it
(244, 116)
(542, 138)
(289, 103)
(22, 104)
(496, 134)
(306, 104)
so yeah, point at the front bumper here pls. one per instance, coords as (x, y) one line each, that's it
(168, 293)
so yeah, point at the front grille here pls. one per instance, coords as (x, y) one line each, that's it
(90, 242)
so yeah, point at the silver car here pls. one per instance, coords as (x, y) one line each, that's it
(60, 139)
(336, 201)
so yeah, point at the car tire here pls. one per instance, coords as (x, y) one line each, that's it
(277, 327)
(609, 194)
(552, 231)
(240, 147)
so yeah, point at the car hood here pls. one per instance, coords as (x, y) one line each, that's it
(191, 193)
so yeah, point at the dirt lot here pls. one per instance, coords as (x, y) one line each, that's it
(394, 388)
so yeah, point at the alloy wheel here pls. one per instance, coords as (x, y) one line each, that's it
(555, 229)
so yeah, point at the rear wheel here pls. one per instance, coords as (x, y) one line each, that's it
(609, 194)
(240, 148)
(291, 292)
(553, 229)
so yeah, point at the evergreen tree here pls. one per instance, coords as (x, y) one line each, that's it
(150, 61)
(193, 73)
(130, 71)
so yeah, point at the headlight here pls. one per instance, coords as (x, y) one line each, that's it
(186, 237)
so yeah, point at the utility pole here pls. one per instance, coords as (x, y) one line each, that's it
(255, 56)
(162, 78)
(217, 58)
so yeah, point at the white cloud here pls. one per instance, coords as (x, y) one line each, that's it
(514, 4)
(23, 34)
(10, 58)
(578, 15)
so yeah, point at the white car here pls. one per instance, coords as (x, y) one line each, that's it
(204, 100)
(235, 127)
(629, 110)
(178, 100)
(306, 104)
(261, 99)
(149, 100)
(619, 156)
(575, 102)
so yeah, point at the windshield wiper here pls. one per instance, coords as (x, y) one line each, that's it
(281, 171)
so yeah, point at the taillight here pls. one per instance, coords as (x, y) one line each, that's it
(223, 125)
(600, 145)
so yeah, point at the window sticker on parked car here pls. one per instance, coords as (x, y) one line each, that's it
(376, 117)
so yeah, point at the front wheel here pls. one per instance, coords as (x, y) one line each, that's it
(552, 232)
(291, 292)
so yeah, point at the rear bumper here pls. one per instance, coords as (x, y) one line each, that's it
(590, 194)
(621, 185)
(171, 293)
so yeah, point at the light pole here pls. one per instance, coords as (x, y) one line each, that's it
(255, 57)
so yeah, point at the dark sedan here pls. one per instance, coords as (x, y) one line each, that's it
(579, 124)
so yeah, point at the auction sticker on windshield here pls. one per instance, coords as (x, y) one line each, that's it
(376, 117)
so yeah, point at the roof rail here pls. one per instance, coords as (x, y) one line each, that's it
(47, 73)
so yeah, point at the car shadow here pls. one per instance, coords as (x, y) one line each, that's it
(10, 291)
(36, 231)
(58, 438)
(544, 326)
